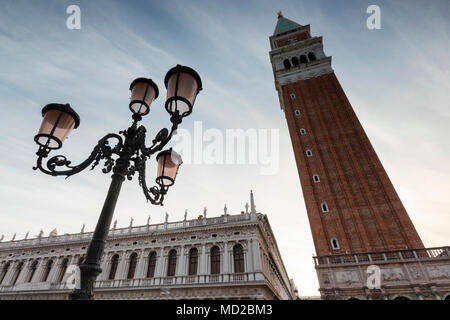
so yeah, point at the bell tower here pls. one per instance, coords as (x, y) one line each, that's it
(351, 203)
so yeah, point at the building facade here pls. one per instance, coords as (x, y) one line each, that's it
(225, 257)
(354, 211)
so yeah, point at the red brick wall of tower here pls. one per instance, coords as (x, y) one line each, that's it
(365, 212)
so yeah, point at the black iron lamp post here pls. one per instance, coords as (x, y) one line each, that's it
(125, 158)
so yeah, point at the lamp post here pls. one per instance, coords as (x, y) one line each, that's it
(124, 159)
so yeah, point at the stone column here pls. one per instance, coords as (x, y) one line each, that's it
(121, 268)
(251, 263)
(56, 266)
(226, 263)
(140, 266)
(12, 273)
(247, 258)
(39, 271)
(66, 275)
(227, 268)
(2, 276)
(256, 256)
(25, 272)
(203, 260)
(159, 269)
(104, 265)
(180, 264)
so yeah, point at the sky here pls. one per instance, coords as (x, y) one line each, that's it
(397, 78)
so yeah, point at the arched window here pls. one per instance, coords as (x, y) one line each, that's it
(151, 264)
(215, 260)
(193, 261)
(334, 243)
(312, 56)
(32, 271)
(114, 264)
(172, 265)
(303, 59)
(63, 270)
(302, 131)
(297, 113)
(287, 64)
(132, 265)
(48, 267)
(295, 61)
(4, 271)
(324, 207)
(308, 153)
(17, 273)
(238, 258)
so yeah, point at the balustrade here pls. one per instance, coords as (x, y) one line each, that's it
(399, 255)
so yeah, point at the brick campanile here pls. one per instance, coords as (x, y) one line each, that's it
(351, 203)
(356, 217)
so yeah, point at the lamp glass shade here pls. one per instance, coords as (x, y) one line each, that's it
(56, 125)
(143, 92)
(183, 84)
(168, 163)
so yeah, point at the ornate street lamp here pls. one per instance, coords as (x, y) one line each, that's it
(124, 159)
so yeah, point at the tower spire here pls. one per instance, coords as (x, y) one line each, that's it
(252, 203)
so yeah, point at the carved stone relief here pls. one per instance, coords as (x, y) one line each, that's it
(439, 272)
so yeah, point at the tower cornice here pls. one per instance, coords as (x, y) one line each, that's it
(305, 28)
(297, 45)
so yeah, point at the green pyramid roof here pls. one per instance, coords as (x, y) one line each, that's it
(285, 25)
